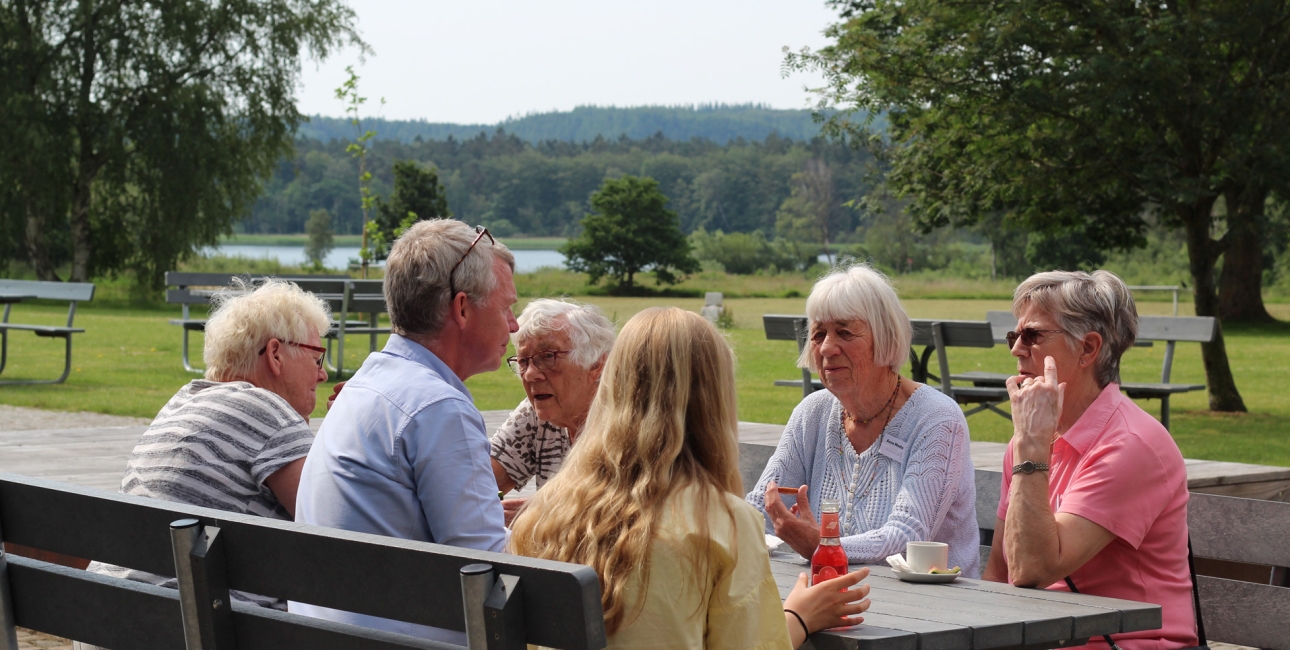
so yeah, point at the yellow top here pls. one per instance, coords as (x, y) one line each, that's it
(742, 610)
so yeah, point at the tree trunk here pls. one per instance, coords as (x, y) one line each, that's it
(86, 166)
(37, 250)
(1241, 284)
(1202, 253)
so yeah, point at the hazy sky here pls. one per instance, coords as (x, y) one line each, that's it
(482, 61)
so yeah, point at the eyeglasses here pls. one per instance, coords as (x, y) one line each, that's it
(1029, 336)
(452, 287)
(322, 352)
(544, 360)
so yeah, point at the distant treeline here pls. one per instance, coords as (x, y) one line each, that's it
(721, 123)
(517, 187)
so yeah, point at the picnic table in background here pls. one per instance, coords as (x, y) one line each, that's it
(16, 291)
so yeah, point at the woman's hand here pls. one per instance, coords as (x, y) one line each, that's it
(831, 603)
(511, 507)
(1036, 411)
(796, 525)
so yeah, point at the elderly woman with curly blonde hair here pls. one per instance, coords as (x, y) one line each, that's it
(649, 499)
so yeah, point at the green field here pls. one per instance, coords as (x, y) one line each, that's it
(127, 363)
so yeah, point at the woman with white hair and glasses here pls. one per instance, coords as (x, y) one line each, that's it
(892, 453)
(561, 348)
(1094, 495)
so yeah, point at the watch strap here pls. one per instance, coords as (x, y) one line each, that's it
(1029, 467)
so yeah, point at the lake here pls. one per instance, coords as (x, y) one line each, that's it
(525, 261)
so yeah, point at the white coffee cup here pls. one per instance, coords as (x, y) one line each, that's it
(925, 556)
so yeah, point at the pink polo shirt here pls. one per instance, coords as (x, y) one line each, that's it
(1119, 468)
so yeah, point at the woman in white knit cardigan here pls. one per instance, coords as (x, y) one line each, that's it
(893, 452)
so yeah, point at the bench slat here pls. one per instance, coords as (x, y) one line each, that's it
(321, 566)
(1196, 329)
(1245, 613)
(957, 333)
(1239, 530)
(70, 291)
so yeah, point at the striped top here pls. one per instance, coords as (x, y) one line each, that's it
(529, 447)
(213, 445)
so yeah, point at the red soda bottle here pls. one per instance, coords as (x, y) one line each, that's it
(829, 560)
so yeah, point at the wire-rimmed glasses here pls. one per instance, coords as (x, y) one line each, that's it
(544, 360)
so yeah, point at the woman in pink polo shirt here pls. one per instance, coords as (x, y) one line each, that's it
(1094, 488)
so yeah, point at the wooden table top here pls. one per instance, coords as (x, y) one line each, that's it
(970, 614)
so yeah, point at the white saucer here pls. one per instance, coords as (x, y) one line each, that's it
(933, 578)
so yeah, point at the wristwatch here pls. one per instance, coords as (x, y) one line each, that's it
(1029, 467)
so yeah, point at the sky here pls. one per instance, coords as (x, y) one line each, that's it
(477, 61)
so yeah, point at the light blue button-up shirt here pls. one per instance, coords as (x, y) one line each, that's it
(403, 452)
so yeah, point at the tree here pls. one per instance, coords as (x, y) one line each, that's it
(321, 242)
(807, 214)
(417, 196)
(136, 133)
(1091, 115)
(630, 231)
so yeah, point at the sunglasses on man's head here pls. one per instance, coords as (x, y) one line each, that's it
(322, 352)
(1029, 336)
(483, 232)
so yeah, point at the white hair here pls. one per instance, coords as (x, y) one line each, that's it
(242, 323)
(861, 292)
(591, 335)
(1084, 303)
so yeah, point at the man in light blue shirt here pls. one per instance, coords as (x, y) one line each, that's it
(403, 452)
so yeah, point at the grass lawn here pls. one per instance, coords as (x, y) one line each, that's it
(127, 363)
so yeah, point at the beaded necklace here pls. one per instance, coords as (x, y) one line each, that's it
(851, 502)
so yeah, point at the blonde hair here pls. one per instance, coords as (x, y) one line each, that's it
(861, 292)
(1084, 303)
(663, 419)
(242, 323)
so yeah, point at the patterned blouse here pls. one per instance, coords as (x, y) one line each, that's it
(529, 447)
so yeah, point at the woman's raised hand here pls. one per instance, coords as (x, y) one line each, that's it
(832, 603)
(1036, 405)
(796, 526)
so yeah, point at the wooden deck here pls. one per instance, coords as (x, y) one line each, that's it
(96, 457)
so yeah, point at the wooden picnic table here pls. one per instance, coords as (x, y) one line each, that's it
(971, 614)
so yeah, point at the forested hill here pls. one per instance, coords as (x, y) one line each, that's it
(719, 123)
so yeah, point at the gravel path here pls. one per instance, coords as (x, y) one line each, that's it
(21, 418)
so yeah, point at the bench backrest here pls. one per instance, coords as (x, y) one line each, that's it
(71, 291)
(784, 327)
(552, 603)
(1198, 329)
(954, 333)
(365, 297)
(1232, 529)
(1001, 322)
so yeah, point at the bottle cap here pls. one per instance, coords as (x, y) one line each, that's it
(829, 505)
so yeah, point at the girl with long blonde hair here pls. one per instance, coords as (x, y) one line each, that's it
(649, 498)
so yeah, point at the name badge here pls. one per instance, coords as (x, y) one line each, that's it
(893, 448)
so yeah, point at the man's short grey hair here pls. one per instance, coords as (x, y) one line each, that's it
(417, 274)
(1083, 303)
(861, 292)
(243, 321)
(591, 335)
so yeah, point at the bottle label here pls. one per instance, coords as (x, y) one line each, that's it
(829, 524)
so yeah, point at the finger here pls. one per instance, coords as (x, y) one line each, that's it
(1013, 384)
(859, 607)
(793, 510)
(847, 581)
(1050, 370)
(1061, 395)
(774, 504)
(804, 507)
(852, 620)
(801, 581)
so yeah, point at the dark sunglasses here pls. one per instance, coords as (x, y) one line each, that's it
(452, 287)
(322, 352)
(544, 360)
(1029, 336)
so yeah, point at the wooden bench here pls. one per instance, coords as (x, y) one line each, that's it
(938, 336)
(198, 289)
(361, 297)
(1170, 329)
(782, 327)
(498, 600)
(1222, 528)
(17, 290)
